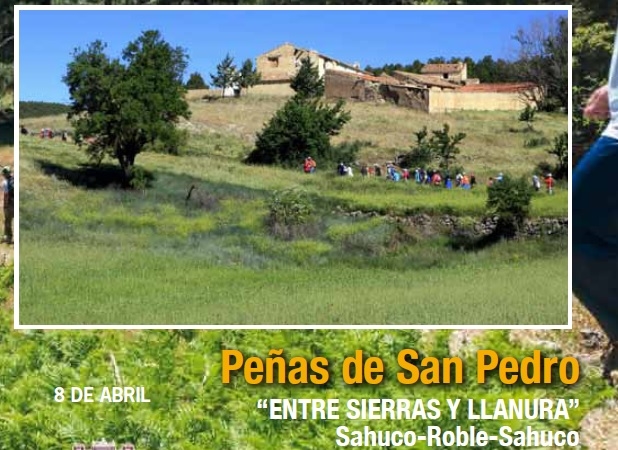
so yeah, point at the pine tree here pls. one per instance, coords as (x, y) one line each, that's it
(227, 74)
(196, 81)
(249, 76)
(307, 83)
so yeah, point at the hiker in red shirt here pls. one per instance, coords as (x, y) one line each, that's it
(549, 182)
(436, 179)
(309, 166)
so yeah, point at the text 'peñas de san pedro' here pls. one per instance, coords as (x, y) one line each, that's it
(359, 368)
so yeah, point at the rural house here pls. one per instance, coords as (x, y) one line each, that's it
(457, 72)
(278, 66)
(438, 88)
(428, 94)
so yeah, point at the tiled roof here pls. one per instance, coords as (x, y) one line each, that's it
(388, 77)
(364, 76)
(442, 68)
(497, 87)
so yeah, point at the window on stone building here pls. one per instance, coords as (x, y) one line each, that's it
(445, 76)
(273, 61)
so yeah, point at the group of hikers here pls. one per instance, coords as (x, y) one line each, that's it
(548, 180)
(46, 133)
(425, 176)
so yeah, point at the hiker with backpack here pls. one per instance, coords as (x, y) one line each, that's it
(8, 189)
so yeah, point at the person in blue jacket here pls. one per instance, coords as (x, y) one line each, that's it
(595, 219)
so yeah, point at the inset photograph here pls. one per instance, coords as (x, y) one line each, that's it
(286, 168)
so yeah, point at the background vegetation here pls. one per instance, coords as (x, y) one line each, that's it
(220, 236)
(28, 110)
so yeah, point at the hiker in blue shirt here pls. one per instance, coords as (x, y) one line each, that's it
(595, 218)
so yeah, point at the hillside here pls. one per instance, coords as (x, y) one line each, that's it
(29, 110)
(495, 140)
(222, 250)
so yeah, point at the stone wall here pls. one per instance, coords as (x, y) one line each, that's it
(282, 89)
(445, 101)
(417, 99)
(448, 224)
(338, 85)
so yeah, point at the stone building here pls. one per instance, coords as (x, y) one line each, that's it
(439, 88)
(457, 72)
(425, 81)
(278, 66)
(363, 87)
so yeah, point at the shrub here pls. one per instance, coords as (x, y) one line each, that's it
(291, 214)
(301, 128)
(140, 179)
(510, 201)
(527, 115)
(536, 142)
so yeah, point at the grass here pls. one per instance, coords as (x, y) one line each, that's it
(103, 285)
(495, 140)
(111, 256)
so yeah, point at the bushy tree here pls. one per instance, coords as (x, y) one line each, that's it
(299, 129)
(303, 126)
(509, 199)
(442, 147)
(422, 154)
(129, 105)
(196, 81)
(445, 147)
(527, 115)
(227, 74)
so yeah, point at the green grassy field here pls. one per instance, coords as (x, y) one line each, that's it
(111, 256)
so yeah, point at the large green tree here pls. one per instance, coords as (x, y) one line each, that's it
(130, 104)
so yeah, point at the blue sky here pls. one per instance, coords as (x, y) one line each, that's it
(48, 38)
